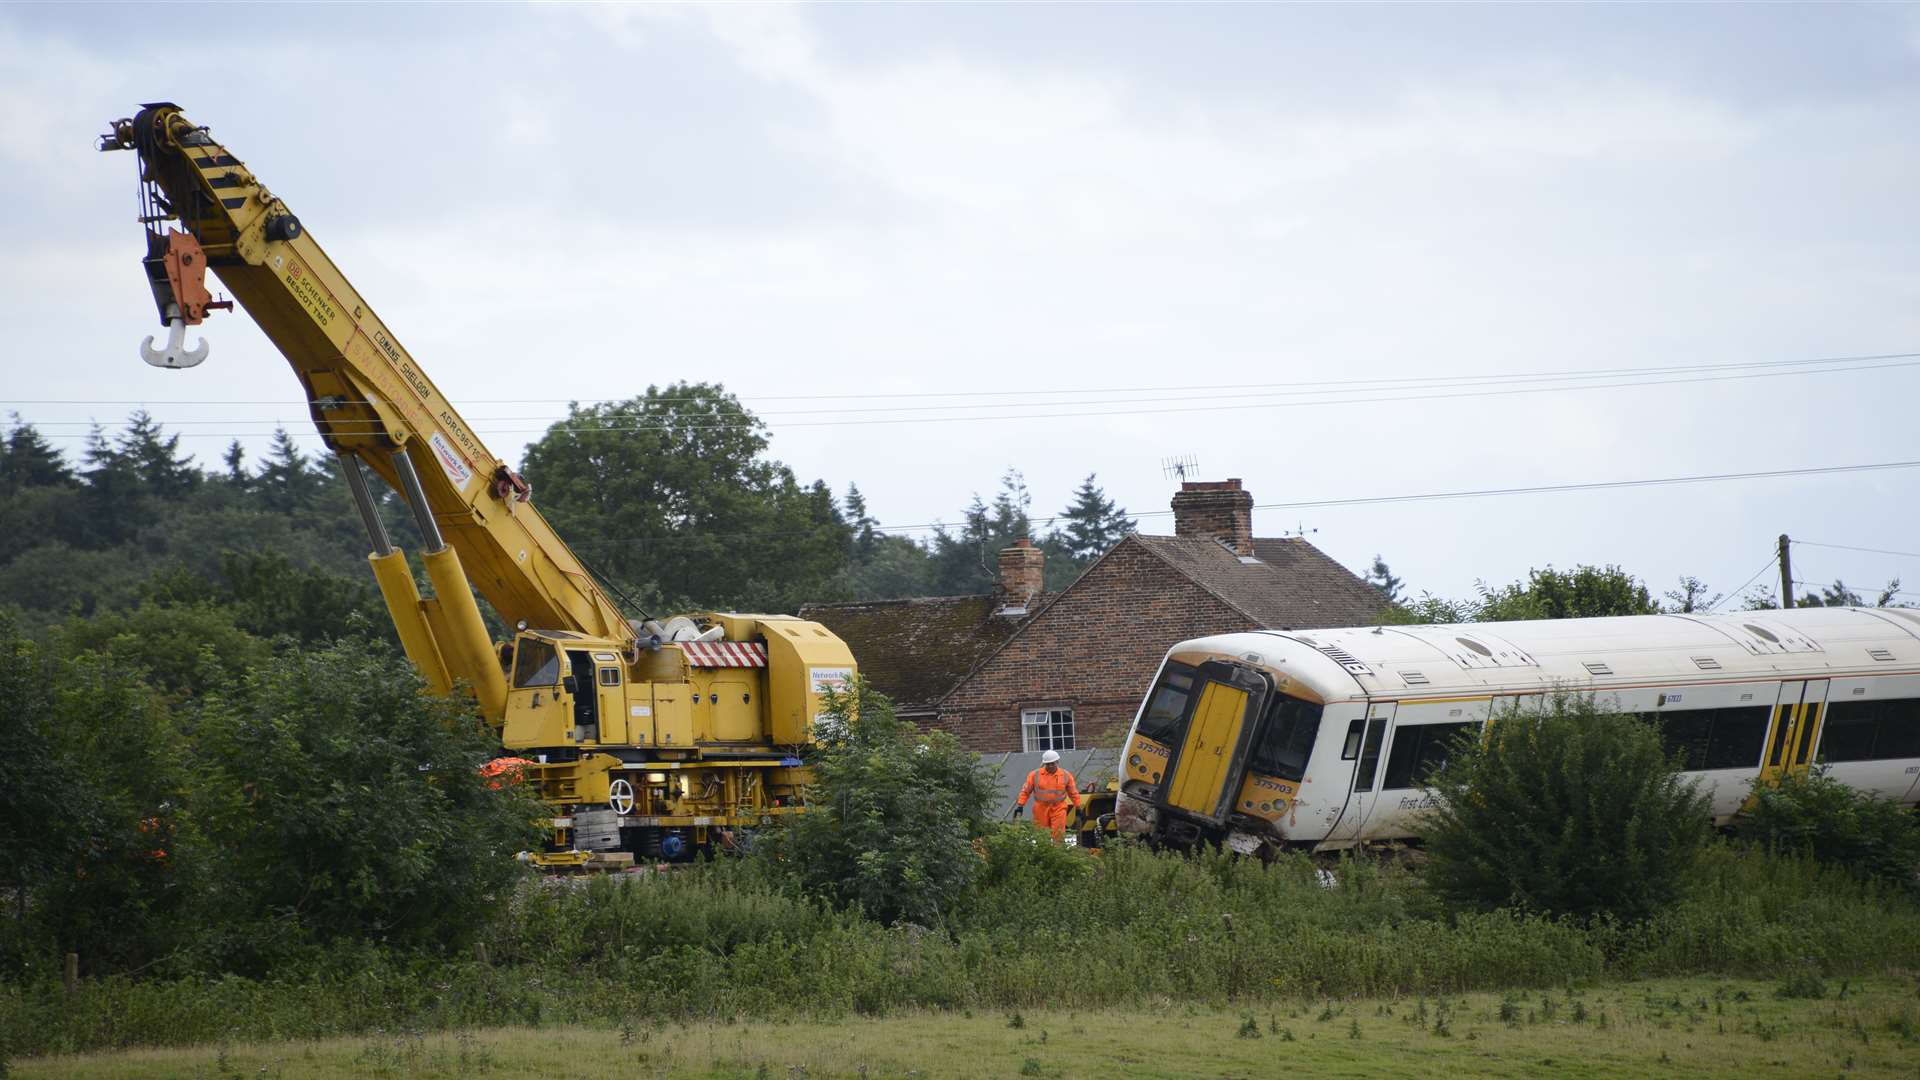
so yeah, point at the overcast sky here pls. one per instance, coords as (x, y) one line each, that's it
(552, 203)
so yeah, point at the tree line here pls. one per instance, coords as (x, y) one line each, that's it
(1586, 592)
(670, 497)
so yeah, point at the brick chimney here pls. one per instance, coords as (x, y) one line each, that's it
(1023, 571)
(1214, 509)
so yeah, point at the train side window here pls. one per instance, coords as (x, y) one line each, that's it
(1351, 748)
(1899, 735)
(1848, 734)
(1871, 730)
(1686, 735)
(1370, 754)
(1418, 751)
(1738, 738)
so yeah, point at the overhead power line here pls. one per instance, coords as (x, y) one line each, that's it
(1849, 547)
(1772, 559)
(1325, 385)
(1876, 592)
(1434, 496)
(1234, 405)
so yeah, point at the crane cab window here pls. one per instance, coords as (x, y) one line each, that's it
(535, 663)
(609, 676)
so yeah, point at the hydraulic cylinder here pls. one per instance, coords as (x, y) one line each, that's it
(404, 607)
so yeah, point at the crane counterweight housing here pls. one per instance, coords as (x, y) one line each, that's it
(670, 743)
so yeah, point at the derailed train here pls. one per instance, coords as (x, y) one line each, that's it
(1318, 740)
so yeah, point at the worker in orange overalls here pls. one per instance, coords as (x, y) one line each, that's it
(1053, 794)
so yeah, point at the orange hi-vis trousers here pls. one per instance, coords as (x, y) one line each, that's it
(1053, 794)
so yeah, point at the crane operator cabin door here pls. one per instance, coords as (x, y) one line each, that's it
(1211, 754)
(585, 690)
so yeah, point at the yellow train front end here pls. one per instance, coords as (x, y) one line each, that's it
(1216, 755)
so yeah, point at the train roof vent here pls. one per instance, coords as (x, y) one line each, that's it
(1706, 663)
(1414, 678)
(1347, 660)
(1880, 654)
(1595, 667)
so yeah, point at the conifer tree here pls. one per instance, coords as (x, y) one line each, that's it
(156, 459)
(968, 561)
(287, 482)
(1380, 577)
(235, 459)
(114, 492)
(1091, 525)
(865, 540)
(31, 461)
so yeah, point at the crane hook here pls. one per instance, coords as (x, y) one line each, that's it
(175, 355)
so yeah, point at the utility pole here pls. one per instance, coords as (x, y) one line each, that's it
(1786, 571)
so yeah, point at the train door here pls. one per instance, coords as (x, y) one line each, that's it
(1363, 745)
(1211, 752)
(1796, 729)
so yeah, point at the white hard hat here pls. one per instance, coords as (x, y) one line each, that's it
(1049, 757)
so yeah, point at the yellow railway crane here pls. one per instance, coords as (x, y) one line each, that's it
(655, 738)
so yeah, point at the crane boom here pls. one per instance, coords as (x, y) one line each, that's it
(674, 729)
(367, 395)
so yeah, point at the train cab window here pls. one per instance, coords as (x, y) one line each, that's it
(1418, 751)
(1287, 737)
(1167, 707)
(1350, 749)
(1871, 730)
(535, 663)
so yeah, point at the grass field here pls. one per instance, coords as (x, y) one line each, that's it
(1704, 1027)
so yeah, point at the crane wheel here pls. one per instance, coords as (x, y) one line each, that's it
(284, 227)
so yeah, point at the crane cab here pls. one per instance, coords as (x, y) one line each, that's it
(565, 690)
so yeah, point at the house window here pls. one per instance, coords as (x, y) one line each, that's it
(1046, 729)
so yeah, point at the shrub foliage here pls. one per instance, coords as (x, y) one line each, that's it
(1565, 809)
(1819, 816)
(893, 815)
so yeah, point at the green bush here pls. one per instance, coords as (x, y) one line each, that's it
(348, 805)
(1819, 816)
(892, 814)
(95, 850)
(1565, 809)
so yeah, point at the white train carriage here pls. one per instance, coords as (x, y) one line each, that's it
(1320, 739)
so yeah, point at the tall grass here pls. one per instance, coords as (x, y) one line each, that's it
(1129, 928)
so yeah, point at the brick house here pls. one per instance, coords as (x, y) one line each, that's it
(1025, 672)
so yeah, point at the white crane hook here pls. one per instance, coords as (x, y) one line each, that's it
(175, 355)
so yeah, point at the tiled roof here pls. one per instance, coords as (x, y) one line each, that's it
(1289, 583)
(915, 651)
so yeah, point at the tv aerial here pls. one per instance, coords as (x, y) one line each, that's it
(1181, 467)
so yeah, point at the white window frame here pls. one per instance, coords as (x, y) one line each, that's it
(1046, 729)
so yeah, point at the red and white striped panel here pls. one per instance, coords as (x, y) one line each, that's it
(725, 653)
